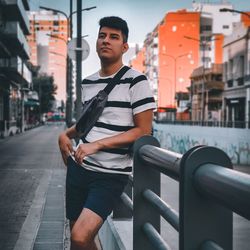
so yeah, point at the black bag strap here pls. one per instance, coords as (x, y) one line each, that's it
(116, 79)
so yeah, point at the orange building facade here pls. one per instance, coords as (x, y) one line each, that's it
(48, 47)
(138, 62)
(180, 43)
(177, 56)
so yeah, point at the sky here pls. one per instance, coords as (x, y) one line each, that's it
(142, 17)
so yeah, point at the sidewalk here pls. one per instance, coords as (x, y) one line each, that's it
(44, 226)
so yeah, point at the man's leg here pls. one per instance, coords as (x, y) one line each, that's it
(84, 230)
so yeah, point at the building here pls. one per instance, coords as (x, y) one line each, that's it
(182, 42)
(138, 60)
(207, 85)
(206, 89)
(48, 43)
(15, 75)
(170, 58)
(236, 96)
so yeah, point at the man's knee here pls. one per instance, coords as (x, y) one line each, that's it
(80, 240)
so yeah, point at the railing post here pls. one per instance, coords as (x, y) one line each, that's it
(202, 219)
(144, 177)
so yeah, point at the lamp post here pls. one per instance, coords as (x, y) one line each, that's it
(175, 58)
(235, 11)
(69, 101)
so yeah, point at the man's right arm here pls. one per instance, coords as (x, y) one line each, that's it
(65, 143)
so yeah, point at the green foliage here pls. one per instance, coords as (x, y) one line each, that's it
(46, 89)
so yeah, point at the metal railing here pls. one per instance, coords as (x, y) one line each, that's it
(223, 124)
(209, 191)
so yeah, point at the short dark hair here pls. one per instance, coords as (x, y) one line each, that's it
(115, 22)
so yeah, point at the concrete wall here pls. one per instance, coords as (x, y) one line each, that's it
(180, 138)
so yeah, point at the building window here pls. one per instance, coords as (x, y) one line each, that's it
(206, 59)
(56, 23)
(225, 26)
(240, 81)
(230, 83)
(206, 28)
(206, 39)
(205, 47)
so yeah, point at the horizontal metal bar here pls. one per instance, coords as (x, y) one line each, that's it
(127, 201)
(210, 245)
(154, 237)
(229, 187)
(169, 214)
(163, 160)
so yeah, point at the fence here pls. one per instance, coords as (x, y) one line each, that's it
(209, 191)
(224, 124)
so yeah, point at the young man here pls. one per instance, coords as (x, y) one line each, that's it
(99, 167)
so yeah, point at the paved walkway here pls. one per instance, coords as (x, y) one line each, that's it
(32, 188)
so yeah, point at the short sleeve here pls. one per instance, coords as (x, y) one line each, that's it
(141, 96)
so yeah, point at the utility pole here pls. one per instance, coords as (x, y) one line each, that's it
(69, 104)
(70, 85)
(79, 59)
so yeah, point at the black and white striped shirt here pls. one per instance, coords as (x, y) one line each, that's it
(130, 96)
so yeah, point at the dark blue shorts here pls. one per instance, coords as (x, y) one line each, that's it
(93, 190)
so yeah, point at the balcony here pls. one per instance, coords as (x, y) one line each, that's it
(230, 83)
(240, 81)
(15, 70)
(214, 99)
(4, 52)
(214, 85)
(12, 36)
(15, 11)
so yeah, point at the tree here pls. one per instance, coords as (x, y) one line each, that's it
(46, 89)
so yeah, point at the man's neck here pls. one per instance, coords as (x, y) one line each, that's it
(110, 69)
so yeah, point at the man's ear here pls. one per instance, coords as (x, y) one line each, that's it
(125, 48)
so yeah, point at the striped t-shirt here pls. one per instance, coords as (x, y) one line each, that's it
(130, 96)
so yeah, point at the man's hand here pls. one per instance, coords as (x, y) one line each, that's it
(86, 149)
(65, 146)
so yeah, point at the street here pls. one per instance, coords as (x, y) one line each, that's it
(28, 163)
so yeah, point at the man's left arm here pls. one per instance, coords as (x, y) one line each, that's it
(143, 126)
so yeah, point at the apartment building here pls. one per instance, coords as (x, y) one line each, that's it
(48, 46)
(236, 60)
(15, 75)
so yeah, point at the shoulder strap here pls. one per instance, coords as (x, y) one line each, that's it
(116, 79)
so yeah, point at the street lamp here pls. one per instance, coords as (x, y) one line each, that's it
(69, 102)
(175, 58)
(236, 11)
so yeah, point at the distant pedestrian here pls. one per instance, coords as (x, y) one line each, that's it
(98, 169)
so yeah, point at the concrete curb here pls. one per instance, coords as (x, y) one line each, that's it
(116, 235)
(32, 222)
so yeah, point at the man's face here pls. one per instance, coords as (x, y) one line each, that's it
(110, 45)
